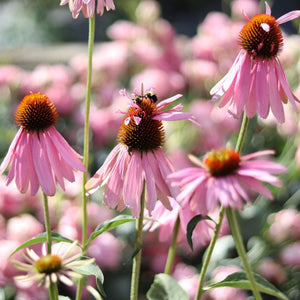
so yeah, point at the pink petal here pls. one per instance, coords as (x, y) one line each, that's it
(161, 105)
(11, 151)
(115, 183)
(222, 86)
(242, 85)
(133, 184)
(274, 96)
(285, 85)
(289, 16)
(68, 154)
(258, 154)
(251, 104)
(268, 9)
(257, 187)
(172, 116)
(262, 93)
(150, 184)
(22, 164)
(42, 166)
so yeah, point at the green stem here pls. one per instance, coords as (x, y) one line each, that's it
(53, 294)
(136, 266)
(238, 147)
(47, 223)
(238, 240)
(242, 133)
(172, 249)
(86, 142)
(209, 254)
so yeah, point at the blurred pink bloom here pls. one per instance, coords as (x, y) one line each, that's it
(271, 270)
(88, 7)
(107, 250)
(290, 255)
(226, 293)
(223, 177)
(188, 278)
(164, 82)
(256, 81)
(238, 6)
(215, 127)
(7, 269)
(138, 158)
(30, 228)
(165, 219)
(284, 225)
(39, 155)
(12, 202)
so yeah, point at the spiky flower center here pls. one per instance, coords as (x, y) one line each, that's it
(36, 113)
(222, 162)
(148, 134)
(261, 37)
(48, 264)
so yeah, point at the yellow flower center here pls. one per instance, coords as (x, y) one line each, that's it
(48, 264)
(222, 162)
(261, 37)
(36, 113)
(148, 134)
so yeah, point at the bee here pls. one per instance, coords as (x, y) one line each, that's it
(150, 95)
(138, 98)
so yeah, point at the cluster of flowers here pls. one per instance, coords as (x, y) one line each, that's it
(40, 157)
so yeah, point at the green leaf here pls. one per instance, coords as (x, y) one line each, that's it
(191, 226)
(108, 225)
(94, 270)
(166, 287)
(240, 280)
(56, 237)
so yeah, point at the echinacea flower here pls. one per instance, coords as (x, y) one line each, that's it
(88, 7)
(138, 157)
(224, 177)
(256, 81)
(39, 155)
(54, 267)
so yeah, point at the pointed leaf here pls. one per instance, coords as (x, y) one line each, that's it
(191, 226)
(56, 237)
(94, 270)
(240, 280)
(108, 225)
(166, 287)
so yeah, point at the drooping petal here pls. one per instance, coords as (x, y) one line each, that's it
(150, 184)
(133, 184)
(11, 151)
(69, 155)
(42, 166)
(262, 93)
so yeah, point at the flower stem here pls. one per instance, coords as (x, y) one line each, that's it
(172, 249)
(47, 223)
(238, 240)
(86, 142)
(136, 266)
(238, 147)
(53, 294)
(209, 254)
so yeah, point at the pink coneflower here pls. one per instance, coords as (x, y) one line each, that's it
(256, 81)
(223, 177)
(39, 155)
(138, 157)
(88, 7)
(50, 268)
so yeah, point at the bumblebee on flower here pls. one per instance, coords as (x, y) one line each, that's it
(139, 157)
